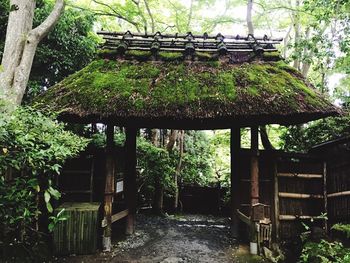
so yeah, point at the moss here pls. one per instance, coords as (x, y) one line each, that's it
(141, 88)
(138, 54)
(271, 56)
(170, 56)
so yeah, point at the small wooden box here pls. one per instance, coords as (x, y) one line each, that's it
(260, 212)
(79, 233)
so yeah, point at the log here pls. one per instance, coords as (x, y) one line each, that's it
(299, 196)
(297, 175)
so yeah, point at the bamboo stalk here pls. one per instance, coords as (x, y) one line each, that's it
(339, 194)
(292, 217)
(297, 175)
(299, 196)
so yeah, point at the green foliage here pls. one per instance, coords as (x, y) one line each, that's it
(302, 138)
(345, 228)
(197, 160)
(324, 252)
(33, 148)
(155, 166)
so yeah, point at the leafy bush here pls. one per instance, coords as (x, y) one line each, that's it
(325, 251)
(33, 148)
(345, 228)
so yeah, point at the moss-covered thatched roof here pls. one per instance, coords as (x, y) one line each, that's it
(171, 92)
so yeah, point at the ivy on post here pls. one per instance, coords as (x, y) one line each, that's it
(130, 178)
(109, 189)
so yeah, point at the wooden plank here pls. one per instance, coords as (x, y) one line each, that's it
(292, 217)
(245, 219)
(299, 196)
(115, 217)
(338, 194)
(297, 175)
(130, 179)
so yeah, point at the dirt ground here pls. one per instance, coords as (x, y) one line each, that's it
(172, 239)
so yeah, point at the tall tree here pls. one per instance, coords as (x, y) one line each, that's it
(20, 46)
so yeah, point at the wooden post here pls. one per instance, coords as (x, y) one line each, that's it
(109, 189)
(235, 145)
(130, 179)
(254, 168)
(276, 206)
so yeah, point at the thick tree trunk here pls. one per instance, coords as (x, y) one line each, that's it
(20, 47)
(249, 17)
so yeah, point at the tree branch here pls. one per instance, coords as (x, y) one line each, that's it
(45, 27)
(151, 16)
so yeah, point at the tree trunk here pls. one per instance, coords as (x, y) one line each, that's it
(172, 139)
(178, 169)
(296, 25)
(249, 17)
(20, 46)
(158, 186)
(265, 139)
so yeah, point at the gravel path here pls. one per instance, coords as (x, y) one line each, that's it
(188, 238)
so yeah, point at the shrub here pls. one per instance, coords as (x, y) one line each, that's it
(33, 148)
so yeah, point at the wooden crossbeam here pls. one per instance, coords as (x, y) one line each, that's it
(116, 217)
(299, 196)
(300, 175)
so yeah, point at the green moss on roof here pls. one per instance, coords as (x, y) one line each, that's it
(186, 89)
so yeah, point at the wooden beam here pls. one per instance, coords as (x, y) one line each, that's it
(115, 217)
(304, 176)
(338, 194)
(254, 165)
(235, 145)
(130, 179)
(245, 219)
(109, 189)
(299, 196)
